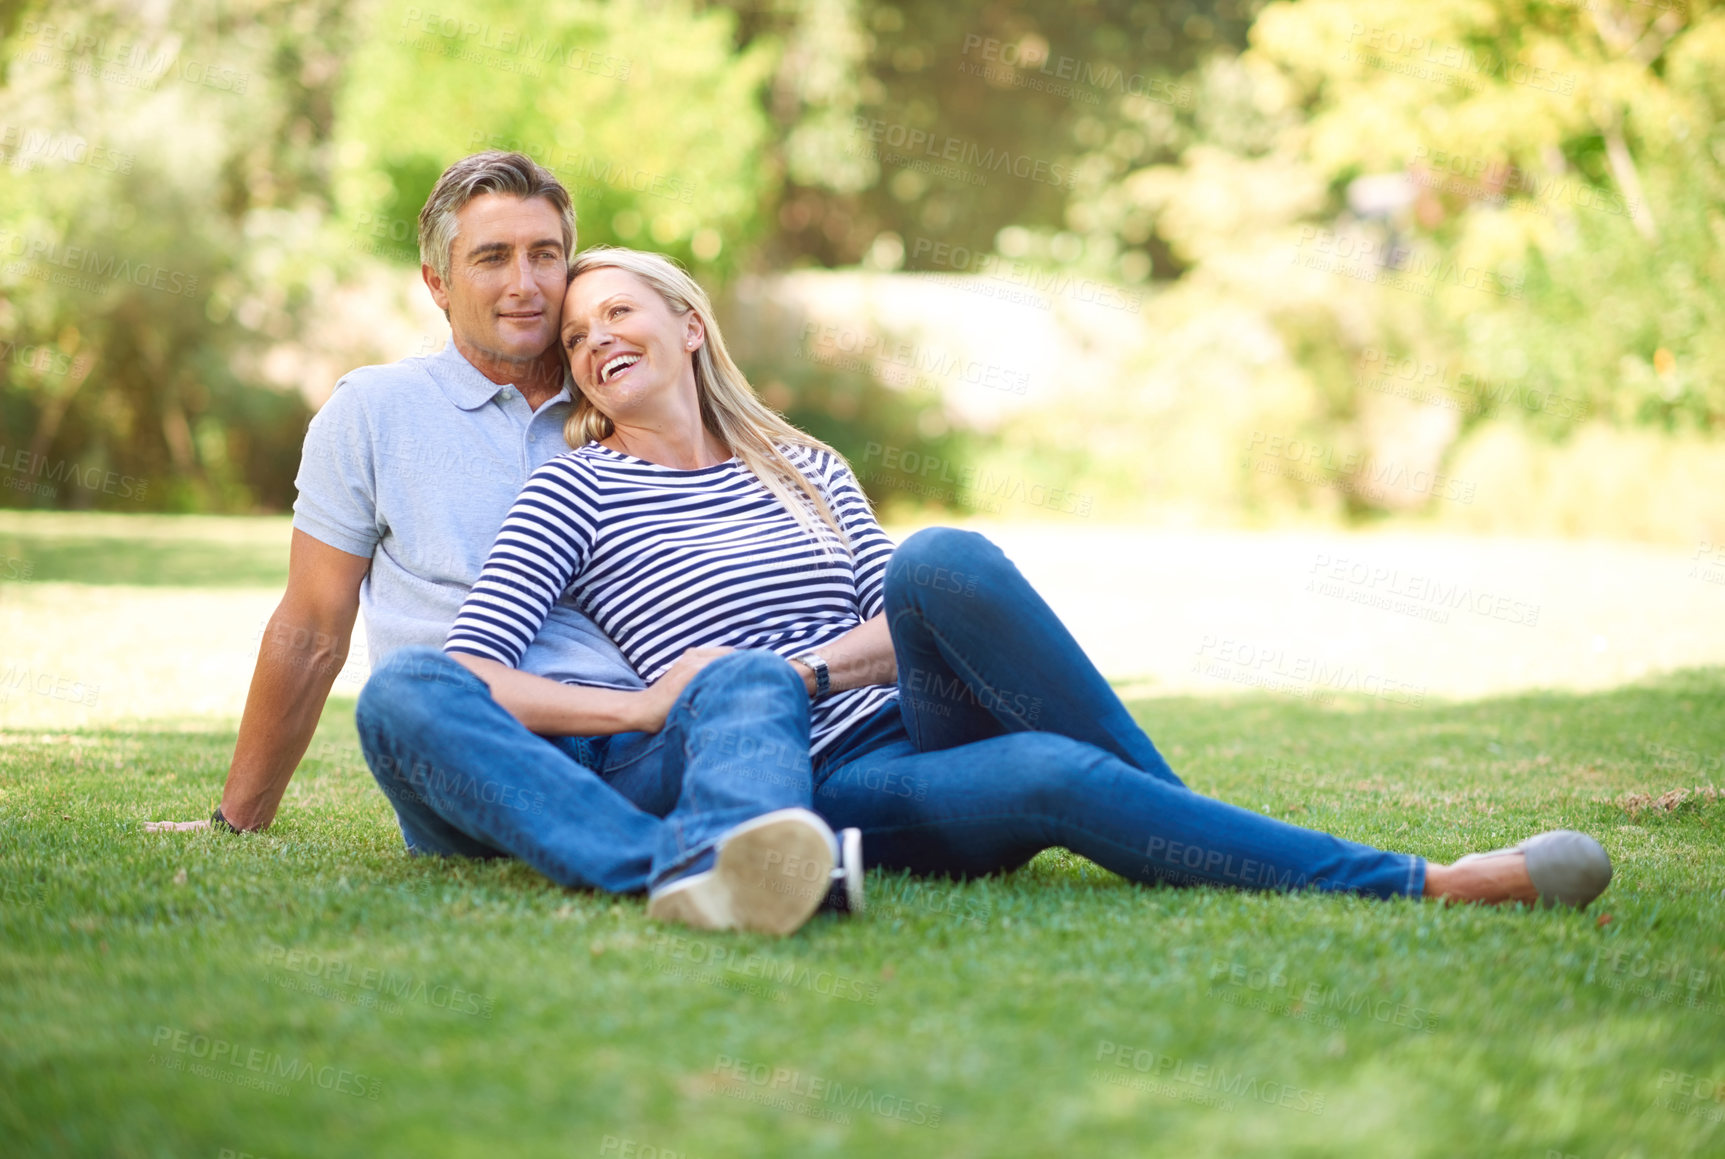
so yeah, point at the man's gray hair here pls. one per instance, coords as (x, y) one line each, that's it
(493, 171)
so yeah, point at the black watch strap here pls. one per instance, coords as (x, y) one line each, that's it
(217, 821)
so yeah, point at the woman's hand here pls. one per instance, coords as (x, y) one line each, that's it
(663, 692)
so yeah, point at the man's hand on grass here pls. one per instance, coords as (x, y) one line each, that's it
(174, 826)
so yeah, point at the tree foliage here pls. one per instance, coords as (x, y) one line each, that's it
(1529, 195)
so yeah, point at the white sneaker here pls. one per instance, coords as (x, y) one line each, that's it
(846, 895)
(769, 876)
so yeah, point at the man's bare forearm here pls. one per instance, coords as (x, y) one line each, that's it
(297, 665)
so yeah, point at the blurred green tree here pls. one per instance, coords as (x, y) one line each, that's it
(645, 112)
(162, 169)
(1577, 150)
(1517, 202)
(955, 123)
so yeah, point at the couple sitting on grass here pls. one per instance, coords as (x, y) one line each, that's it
(690, 662)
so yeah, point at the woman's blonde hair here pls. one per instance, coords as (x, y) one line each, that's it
(729, 406)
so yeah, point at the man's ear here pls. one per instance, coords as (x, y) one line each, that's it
(439, 291)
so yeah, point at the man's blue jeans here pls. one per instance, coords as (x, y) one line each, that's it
(616, 813)
(1006, 740)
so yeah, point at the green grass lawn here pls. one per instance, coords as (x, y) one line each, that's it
(315, 992)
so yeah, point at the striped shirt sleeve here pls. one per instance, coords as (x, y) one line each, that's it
(870, 544)
(545, 541)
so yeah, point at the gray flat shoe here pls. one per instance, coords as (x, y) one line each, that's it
(1567, 868)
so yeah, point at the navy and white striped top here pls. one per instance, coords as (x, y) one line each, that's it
(665, 560)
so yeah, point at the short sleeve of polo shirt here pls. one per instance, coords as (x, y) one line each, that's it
(337, 478)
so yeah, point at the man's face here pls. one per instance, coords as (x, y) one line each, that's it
(507, 271)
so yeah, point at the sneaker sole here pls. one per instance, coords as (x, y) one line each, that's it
(761, 881)
(855, 895)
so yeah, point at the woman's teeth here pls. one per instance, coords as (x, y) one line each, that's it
(617, 365)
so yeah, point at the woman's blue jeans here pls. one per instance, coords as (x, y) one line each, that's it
(1006, 741)
(618, 813)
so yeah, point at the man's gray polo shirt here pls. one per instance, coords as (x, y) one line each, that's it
(414, 465)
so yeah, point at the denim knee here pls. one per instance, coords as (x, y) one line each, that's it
(750, 666)
(397, 687)
(941, 561)
(942, 545)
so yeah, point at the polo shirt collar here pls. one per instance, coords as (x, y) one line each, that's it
(468, 389)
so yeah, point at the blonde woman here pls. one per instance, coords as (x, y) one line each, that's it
(953, 718)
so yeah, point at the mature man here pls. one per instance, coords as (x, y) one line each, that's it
(406, 475)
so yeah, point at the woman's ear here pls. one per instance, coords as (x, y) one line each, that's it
(695, 333)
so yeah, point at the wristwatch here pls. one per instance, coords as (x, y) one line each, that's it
(823, 682)
(217, 821)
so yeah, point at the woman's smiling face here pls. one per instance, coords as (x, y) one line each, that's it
(624, 342)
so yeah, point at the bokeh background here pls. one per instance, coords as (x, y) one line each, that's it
(1186, 264)
(1347, 376)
